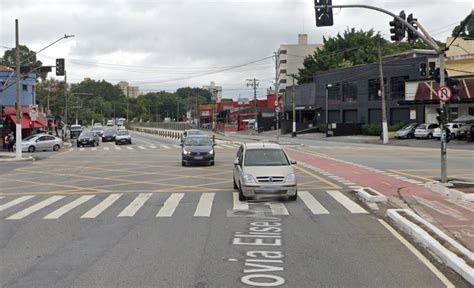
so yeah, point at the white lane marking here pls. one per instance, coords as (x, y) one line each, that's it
(99, 208)
(441, 208)
(15, 202)
(170, 205)
(153, 147)
(117, 148)
(278, 208)
(177, 146)
(129, 148)
(34, 208)
(417, 253)
(61, 211)
(106, 148)
(463, 204)
(218, 147)
(141, 147)
(164, 146)
(1, 197)
(227, 146)
(81, 149)
(93, 148)
(313, 205)
(204, 206)
(239, 205)
(136, 204)
(71, 149)
(346, 202)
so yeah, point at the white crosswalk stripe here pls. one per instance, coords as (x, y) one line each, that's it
(153, 147)
(141, 147)
(63, 210)
(278, 208)
(204, 206)
(136, 204)
(313, 205)
(15, 202)
(106, 148)
(237, 204)
(177, 146)
(32, 209)
(227, 146)
(71, 149)
(164, 146)
(346, 202)
(82, 149)
(129, 148)
(93, 148)
(170, 205)
(99, 208)
(117, 147)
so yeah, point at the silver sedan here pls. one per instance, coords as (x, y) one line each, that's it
(41, 142)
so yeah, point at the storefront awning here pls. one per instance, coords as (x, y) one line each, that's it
(25, 122)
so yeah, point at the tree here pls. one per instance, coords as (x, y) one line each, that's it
(27, 58)
(349, 49)
(468, 31)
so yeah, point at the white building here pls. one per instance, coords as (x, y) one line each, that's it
(214, 89)
(290, 59)
(129, 91)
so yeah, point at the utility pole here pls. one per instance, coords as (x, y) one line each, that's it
(254, 84)
(293, 101)
(177, 109)
(18, 97)
(382, 94)
(127, 109)
(214, 109)
(277, 108)
(65, 106)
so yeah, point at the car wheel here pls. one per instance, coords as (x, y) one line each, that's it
(78, 145)
(31, 149)
(430, 136)
(235, 184)
(409, 136)
(241, 195)
(294, 197)
(130, 142)
(116, 143)
(56, 147)
(98, 143)
(183, 163)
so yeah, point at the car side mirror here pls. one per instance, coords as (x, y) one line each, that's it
(293, 162)
(214, 144)
(182, 145)
(236, 162)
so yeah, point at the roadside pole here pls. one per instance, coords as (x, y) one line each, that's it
(293, 133)
(277, 107)
(382, 95)
(18, 97)
(442, 106)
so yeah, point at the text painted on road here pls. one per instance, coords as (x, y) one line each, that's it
(261, 267)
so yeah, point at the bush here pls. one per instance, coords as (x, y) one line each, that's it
(371, 129)
(396, 127)
(322, 128)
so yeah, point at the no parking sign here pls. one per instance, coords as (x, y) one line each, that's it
(444, 93)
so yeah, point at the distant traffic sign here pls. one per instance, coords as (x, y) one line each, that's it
(33, 109)
(444, 93)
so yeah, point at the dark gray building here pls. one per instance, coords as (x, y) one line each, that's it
(353, 93)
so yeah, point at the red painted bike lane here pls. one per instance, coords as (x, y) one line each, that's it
(456, 216)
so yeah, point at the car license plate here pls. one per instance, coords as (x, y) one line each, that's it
(198, 157)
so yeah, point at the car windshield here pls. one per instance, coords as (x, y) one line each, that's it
(87, 134)
(422, 126)
(30, 137)
(197, 141)
(110, 131)
(265, 157)
(97, 128)
(76, 128)
(122, 132)
(408, 127)
(194, 133)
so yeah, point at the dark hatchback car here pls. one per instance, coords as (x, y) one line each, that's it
(197, 149)
(88, 138)
(109, 135)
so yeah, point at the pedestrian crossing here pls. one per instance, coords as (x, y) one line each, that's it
(165, 205)
(145, 147)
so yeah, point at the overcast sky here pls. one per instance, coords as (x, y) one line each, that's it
(167, 44)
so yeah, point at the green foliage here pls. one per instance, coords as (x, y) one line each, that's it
(322, 127)
(353, 47)
(395, 127)
(27, 58)
(468, 31)
(372, 129)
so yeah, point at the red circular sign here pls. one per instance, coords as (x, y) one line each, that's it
(444, 93)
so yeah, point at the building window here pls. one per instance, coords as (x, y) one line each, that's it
(283, 71)
(374, 87)
(25, 87)
(283, 61)
(282, 90)
(334, 93)
(397, 87)
(282, 81)
(282, 51)
(349, 92)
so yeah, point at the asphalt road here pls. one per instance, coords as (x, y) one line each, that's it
(134, 217)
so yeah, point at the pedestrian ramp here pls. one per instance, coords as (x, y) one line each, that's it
(165, 205)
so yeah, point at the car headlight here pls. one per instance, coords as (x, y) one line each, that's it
(185, 152)
(248, 179)
(290, 178)
(211, 152)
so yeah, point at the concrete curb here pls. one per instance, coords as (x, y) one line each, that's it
(438, 187)
(449, 258)
(14, 159)
(368, 197)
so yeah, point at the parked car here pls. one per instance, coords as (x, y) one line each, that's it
(75, 131)
(121, 122)
(99, 130)
(123, 137)
(197, 149)
(465, 130)
(88, 138)
(425, 130)
(454, 131)
(41, 142)
(407, 132)
(190, 132)
(109, 135)
(262, 170)
(110, 123)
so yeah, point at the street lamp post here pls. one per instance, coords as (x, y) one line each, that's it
(327, 107)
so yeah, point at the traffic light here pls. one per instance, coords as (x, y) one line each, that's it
(323, 15)
(412, 37)
(423, 70)
(440, 115)
(437, 76)
(432, 68)
(453, 83)
(398, 28)
(60, 67)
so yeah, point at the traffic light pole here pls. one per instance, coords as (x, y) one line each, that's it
(18, 136)
(430, 42)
